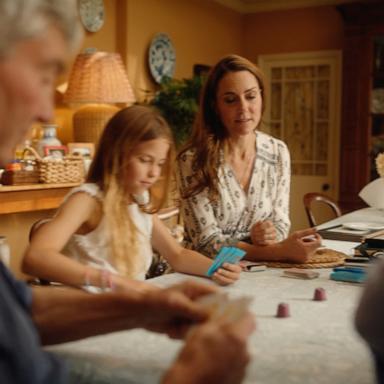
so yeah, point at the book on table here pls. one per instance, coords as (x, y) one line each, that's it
(344, 232)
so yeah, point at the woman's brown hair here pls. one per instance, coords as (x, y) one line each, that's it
(208, 133)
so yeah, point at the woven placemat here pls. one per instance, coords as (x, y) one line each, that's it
(322, 258)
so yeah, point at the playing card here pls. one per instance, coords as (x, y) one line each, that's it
(230, 255)
(301, 273)
(224, 307)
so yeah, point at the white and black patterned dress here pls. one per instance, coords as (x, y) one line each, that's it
(232, 216)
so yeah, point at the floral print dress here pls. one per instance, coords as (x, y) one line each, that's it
(230, 218)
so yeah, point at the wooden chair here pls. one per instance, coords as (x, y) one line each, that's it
(171, 218)
(312, 197)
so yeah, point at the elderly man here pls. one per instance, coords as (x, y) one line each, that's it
(36, 38)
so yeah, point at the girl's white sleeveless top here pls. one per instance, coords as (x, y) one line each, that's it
(94, 248)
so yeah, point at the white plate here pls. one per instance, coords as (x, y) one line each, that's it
(364, 226)
(162, 57)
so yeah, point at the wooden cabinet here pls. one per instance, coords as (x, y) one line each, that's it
(29, 198)
(362, 125)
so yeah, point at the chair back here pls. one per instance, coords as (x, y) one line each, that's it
(310, 198)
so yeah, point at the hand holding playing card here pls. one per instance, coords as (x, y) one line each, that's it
(224, 269)
(207, 350)
(227, 274)
(221, 306)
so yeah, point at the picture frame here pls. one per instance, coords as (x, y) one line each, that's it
(56, 151)
(86, 150)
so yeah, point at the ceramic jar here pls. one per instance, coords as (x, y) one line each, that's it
(48, 138)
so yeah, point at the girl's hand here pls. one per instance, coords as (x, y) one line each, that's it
(263, 233)
(227, 274)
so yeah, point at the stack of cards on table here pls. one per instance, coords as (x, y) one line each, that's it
(301, 273)
(230, 255)
(349, 274)
(223, 307)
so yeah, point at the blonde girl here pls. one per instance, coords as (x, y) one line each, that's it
(104, 232)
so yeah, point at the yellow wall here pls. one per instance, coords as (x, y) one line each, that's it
(201, 32)
(297, 30)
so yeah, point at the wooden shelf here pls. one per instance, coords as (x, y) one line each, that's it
(35, 197)
(363, 33)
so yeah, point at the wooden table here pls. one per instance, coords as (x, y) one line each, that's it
(34, 197)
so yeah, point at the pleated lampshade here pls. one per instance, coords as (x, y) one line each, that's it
(99, 80)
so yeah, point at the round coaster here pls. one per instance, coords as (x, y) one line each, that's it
(322, 258)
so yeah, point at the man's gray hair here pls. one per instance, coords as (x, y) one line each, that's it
(24, 19)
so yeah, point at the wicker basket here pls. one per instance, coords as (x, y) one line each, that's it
(69, 169)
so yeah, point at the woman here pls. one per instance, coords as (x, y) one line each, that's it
(234, 180)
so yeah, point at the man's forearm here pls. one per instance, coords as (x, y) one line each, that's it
(62, 314)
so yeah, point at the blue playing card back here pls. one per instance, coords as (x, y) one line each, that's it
(230, 255)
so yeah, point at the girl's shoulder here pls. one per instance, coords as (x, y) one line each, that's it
(89, 189)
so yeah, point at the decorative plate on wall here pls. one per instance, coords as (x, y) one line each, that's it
(162, 57)
(91, 14)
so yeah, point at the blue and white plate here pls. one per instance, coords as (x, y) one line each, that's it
(162, 57)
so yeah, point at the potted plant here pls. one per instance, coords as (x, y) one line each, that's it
(177, 100)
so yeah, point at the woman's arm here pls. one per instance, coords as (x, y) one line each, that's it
(188, 261)
(296, 248)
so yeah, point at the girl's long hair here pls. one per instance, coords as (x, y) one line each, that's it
(128, 128)
(209, 134)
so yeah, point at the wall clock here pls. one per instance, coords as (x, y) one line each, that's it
(162, 57)
(91, 14)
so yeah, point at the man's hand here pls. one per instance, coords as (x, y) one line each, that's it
(215, 352)
(173, 310)
(263, 233)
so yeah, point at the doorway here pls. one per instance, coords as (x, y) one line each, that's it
(303, 109)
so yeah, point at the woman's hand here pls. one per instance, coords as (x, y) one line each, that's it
(299, 246)
(263, 233)
(227, 274)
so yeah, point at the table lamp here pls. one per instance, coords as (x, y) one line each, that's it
(99, 80)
